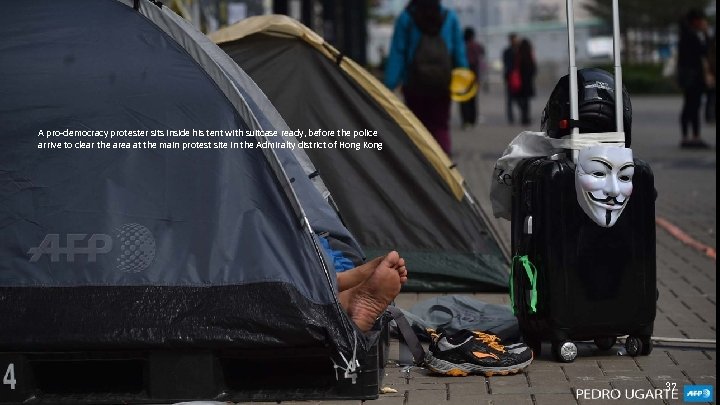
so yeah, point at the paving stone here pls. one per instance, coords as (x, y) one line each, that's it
(511, 399)
(395, 383)
(554, 373)
(590, 384)
(542, 364)
(428, 384)
(641, 384)
(470, 379)
(586, 371)
(614, 376)
(657, 360)
(690, 358)
(467, 401)
(418, 397)
(511, 384)
(698, 374)
(673, 375)
(548, 381)
(478, 389)
(555, 399)
(387, 400)
(618, 363)
(701, 305)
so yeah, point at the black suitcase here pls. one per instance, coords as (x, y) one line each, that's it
(591, 282)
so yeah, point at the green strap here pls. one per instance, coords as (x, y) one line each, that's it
(531, 272)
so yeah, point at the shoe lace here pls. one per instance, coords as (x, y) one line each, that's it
(490, 340)
(433, 334)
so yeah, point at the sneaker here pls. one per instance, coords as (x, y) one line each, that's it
(469, 352)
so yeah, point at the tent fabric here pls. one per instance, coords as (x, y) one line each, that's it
(323, 217)
(234, 82)
(395, 198)
(284, 25)
(149, 247)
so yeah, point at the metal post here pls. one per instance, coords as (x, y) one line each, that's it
(574, 114)
(618, 68)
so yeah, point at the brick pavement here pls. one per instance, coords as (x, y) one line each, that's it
(685, 181)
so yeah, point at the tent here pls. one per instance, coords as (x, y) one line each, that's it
(204, 263)
(408, 196)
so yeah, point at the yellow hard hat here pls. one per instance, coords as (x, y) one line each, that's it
(463, 85)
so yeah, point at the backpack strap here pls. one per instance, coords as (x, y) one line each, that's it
(408, 335)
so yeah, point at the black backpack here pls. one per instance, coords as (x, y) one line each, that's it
(431, 66)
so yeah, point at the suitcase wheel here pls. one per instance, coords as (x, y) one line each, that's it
(605, 342)
(633, 346)
(564, 351)
(647, 345)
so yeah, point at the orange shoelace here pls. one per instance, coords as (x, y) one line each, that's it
(490, 340)
(433, 334)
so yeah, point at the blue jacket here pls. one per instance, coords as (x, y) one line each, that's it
(406, 38)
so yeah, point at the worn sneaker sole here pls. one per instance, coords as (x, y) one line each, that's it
(464, 369)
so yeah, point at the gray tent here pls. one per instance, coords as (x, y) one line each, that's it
(407, 196)
(209, 251)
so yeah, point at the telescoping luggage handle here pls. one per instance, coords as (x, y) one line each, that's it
(574, 113)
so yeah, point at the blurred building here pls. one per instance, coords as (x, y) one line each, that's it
(341, 23)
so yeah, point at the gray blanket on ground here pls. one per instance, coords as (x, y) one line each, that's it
(455, 312)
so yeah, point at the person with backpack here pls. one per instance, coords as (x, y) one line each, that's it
(427, 44)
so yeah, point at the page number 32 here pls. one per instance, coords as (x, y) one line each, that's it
(9, 377)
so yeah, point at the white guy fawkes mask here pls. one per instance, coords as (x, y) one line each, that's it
(603, 182)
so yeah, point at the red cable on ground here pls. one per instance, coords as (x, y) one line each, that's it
(683, 237)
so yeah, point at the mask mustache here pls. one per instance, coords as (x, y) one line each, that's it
(610, 200)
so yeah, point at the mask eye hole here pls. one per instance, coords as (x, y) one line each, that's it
(625, 178)
(598, 174)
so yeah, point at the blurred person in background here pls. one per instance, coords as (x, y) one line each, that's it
(426, 45)
(476, 59)
(525, 62)
(508, 58)
(691, 75)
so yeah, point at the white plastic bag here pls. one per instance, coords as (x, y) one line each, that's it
(526, 145)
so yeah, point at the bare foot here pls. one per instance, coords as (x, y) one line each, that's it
(402, 271)
(365, 302)
(350, 278)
